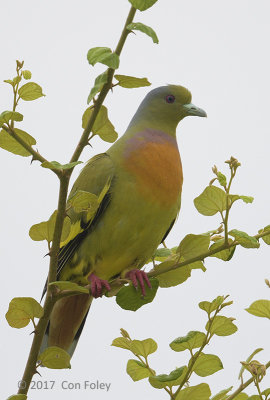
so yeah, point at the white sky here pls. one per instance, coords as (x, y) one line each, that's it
(219, 50)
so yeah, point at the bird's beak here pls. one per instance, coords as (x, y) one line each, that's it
(193, 110)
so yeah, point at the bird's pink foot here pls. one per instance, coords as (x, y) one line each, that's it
(139, 277)
(97, 285)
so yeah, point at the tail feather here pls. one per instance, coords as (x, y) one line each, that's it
(66, 322)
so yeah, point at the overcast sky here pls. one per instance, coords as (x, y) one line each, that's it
(219, 50)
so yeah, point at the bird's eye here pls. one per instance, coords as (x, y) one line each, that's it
(170, 98)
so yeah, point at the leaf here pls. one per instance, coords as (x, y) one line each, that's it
(9, 81)
(193, 245)
(222, 394)
(98, 85)
(27, 74)
(21, 310)
(174, 378)
(143, 347)
(54, 357)
(70, 286)
(138, 26)
(246, 199)
(162, 254)
(266, 392)
(45, 230)
(254, 397)
(199, 392)
(221, 326)
(211, 201)
(17, 397)
(7, 116)
(249, 242)
(207, 364)
(266, 238)
(84, 201)
(260, 308)
(129, 298)
(174, 277)
(131, 82)
(57, 165)
(222, 179)
(7, 142)
(103, 55)
(142, 5)
(247, 361)
(225, 255)
(30, 91)
(102, 126)
(192, 340)
(122, 342)
(241, 396)
(17, 80)
(211, 306)
(137, 371)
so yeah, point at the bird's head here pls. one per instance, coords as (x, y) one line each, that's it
(165, 106)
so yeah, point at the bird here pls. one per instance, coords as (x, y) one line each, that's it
(137, 213)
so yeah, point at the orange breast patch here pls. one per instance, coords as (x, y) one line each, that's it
(158, 171)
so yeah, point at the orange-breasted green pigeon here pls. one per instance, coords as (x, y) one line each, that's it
(136, 214)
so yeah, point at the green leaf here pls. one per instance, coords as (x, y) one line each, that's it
(247, 361)
(27, 74)
(17, 397)
(244, 239)
(142, 5)
(8, 143)
(10, 81)
(266, 238)
(122, 342)
(7, 116)
(192, 340)
(241, 396)
(129, 298)
(84, 201)
(174, 277)
(70, 286)
(225, 255)
(222, 179)
(17, 80)
(57, 165)
(211, 306)
(98, 85)
(175, 378)
(137, 371)
(245, 199)
(162, 254)
(131, 82)
(102, 126)
(254, 397)
(193, 245)
(103, 55)
(54, 357)
(260, 308)
(222, 326)
(30, 91)
(207, 364)
(266, 392)
(45, 230)
(211, 201)
(222, 394)
(199, 392)
(138, 26)
(21, 310)
(143, 347)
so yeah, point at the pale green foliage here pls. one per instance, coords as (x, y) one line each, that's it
(102, 126)
(142, 5)
(138, 26)
(7, 142)
(260, 308)
(192, 340)
(54, 357)
(207, 364)
(266, 238)
(30, 91)
(244, 239)
(211, 201)
(198, 392)
(131, 82)
(103, 55)
(45, 230)
(174, 378)
(57, 165)
(17, 397)
(222, 394)
(221, 326)
(248, 360)
(7, 116)
(27, 74)
(129, 298)
(137, 370)
(143, 347)
(21, 310)
(69, 286)
(98, 85)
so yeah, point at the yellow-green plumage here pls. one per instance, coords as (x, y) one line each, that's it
(144, 198)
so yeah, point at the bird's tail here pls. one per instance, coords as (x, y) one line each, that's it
(66, 322)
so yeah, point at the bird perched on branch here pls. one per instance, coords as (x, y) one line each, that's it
(136, 214)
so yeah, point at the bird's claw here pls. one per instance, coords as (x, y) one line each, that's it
(97, 285)
(139, 277)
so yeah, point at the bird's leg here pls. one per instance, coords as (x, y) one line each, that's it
(97, 284)
(139, 277)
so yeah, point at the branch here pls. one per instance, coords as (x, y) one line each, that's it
(244, 385)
